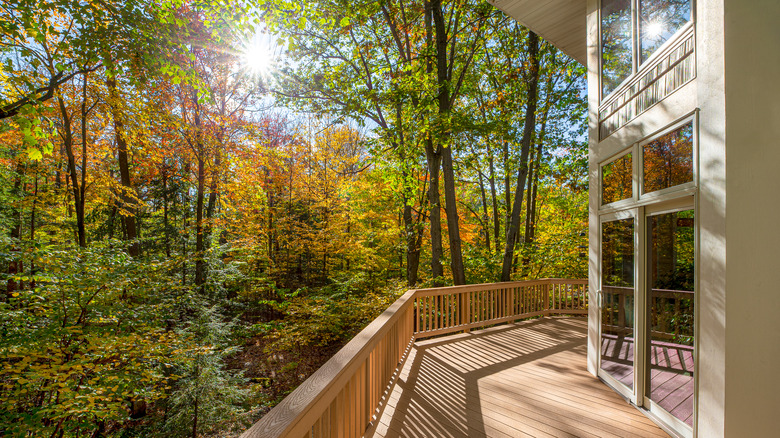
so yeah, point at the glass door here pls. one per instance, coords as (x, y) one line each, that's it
(617, 303)
(669, 309)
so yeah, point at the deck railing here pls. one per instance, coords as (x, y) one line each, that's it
(347, 393)
(671, 313)
(457, 308)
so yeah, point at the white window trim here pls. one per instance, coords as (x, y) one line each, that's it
(638, 68)
(662, 194)
(618, 205)
(641, 199)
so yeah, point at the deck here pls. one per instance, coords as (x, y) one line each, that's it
(526, 379)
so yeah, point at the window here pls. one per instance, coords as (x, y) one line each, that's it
(647, 273)
(668, 160)
(617, 307)
(616, 181)
(656, 21)
(616, 44)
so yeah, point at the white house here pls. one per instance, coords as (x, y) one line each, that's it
(684, 110)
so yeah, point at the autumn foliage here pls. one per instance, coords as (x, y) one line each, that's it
(182, 241)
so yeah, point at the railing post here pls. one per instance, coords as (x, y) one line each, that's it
(512, 311)
(465, 310)
(547, 297)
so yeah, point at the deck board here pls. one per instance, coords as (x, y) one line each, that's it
(519, 380)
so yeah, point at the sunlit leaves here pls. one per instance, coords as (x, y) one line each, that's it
(87, 339)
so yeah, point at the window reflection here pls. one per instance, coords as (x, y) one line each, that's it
(617, 309)
(668, 160)
(616, 183)
(658, 21)
(671, 303)
(636, 29)
(616, 57)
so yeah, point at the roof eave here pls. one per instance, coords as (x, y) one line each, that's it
(560, 22)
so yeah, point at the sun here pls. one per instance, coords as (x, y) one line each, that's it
(257, 60)
(655, 29)
(258, 56)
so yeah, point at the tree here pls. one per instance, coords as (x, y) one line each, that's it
(528, 132)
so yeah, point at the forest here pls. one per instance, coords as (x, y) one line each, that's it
(202, 200)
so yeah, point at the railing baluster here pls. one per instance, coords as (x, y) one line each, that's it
(446, 312)
(492, 295)
(367, 364)
(483, 304)
(513, 301)
(507, 310)
(478, 304)
(439, 312)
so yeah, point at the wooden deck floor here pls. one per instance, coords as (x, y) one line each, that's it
(671, 379)
(521, 380)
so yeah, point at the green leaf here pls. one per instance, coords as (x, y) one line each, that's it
(34, 153)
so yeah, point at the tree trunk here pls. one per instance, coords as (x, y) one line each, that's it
(528, 130)
(271, 230)
(214, 187)
(496, 222)
(507, 187)
(200, 263)
(485, 219)
(433, 158)
(16, 265)
(32, 225)
(530, 230)
(166, 225)
(111, 219)
(195, 418)
(412, 248)
(126, 198)
(453, 227)
(78, 201)
(443, 80)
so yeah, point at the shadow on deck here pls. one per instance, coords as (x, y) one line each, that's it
(527, 379)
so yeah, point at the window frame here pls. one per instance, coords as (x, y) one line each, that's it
(637, 177)
(684, 187)
(633, 72)
(637, 67)
(616, 205)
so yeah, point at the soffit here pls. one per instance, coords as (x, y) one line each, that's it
(560, 22)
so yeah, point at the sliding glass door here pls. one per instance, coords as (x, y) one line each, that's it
(647, 268)
(618, 328)
(670, 315)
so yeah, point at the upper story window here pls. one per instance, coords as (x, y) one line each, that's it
(616, 180)
(632, 30)
(616, 46)
(658, 21)
(667, 161)
(665, 167)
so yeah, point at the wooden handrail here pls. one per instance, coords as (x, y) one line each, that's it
(340, 398)
(347, 393)
(461, 308)
(669, 329)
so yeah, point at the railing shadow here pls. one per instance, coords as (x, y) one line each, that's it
(348, 394)
(442, 395)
